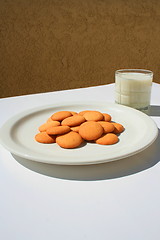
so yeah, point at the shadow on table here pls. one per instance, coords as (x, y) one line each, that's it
(116, 169)
(154, 111)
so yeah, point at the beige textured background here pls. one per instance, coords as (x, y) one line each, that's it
(48, 45)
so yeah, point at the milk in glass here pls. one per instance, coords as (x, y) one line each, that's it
(133, 88)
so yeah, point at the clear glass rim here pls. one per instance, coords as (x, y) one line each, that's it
(144, 71)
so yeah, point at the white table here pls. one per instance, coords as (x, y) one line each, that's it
(116, 200)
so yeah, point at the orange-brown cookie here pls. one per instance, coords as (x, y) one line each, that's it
(47, 125)
(73, 113)
(58, 130)
(75, 129)
(107, 126)
(90, 130)
(83, 112)
(107, 139)
(73, 121)
(93, 116)
(69, 140)
(118, 127)
(107, 117)
(43, 137)
(59, 116)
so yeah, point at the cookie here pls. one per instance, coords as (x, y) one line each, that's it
(75, 129)
(47, 125)
(43, 137)
(69, 129)
(107, 126)
(69, 140)
(118, 127)
(83, 112)
(93, 116)
(73, 113)
(107, 139)
(58, 130)
(73, 121)
(107, 117)
(90, 130)
(59, 116)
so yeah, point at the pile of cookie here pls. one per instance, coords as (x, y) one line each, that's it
(70, 129)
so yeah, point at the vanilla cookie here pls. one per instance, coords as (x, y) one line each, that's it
(43, 137)
(118, 127)
(59, 116)
(107, 117)
(75, 129)
(107, 139)
(47, 125)
(83, 112)
(93, 116)
(73, 121)
(58, 130)
(90, 130)
(107, 126)
(73, 113)
(69, 140)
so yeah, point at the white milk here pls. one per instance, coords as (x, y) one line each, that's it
(133, 89)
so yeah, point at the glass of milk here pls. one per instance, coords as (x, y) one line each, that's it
(133, 88)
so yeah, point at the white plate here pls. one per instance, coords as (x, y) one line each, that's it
(17, 135)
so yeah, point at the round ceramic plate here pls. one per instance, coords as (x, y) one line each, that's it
(17, 135)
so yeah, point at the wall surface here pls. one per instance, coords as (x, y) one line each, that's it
(49, 45)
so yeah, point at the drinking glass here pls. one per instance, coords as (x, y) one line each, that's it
(133, 88)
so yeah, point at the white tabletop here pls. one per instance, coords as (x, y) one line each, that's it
(116, 200)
